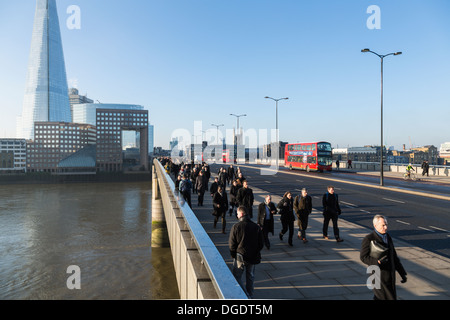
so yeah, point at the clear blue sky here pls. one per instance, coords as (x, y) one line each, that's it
(200, 60)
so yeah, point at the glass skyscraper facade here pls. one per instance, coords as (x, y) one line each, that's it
(46, 93)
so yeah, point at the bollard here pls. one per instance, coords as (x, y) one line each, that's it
(160, 237)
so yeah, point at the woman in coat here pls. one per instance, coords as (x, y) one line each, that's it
(387, 262)
(286, 207)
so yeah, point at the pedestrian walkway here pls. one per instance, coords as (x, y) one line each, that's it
(325, 269)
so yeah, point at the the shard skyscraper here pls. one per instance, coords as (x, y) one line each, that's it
(46, 94)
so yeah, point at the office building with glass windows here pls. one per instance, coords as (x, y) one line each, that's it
(76, 98)
(55, 141)
(46, 92)
(111, 124)
(13, 155)
(87, 112)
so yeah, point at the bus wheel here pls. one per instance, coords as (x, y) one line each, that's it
(307, 169)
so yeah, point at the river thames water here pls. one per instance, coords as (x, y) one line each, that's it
(103, 228)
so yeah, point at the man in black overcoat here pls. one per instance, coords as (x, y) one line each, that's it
(331, 211)
(266, 210)
(303, 208)
(220, 205)
(388, 263)
(245, 243)
(245, 198)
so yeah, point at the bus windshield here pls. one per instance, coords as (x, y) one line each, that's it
(324, 147)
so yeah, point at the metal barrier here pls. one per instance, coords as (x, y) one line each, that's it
(192, 248)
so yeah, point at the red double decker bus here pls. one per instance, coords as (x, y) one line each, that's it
(226, 156)
(315, 156)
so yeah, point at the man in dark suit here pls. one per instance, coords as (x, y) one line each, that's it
(265, 221)
(245, 198)
(303, 208)
(331, 211)
(388, 262)
(220, 205)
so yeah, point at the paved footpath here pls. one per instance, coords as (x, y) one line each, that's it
(324, 269)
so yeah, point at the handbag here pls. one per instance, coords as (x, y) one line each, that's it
(377, 250)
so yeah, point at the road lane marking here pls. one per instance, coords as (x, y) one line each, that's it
(349, 204)
(403, 222)
(440, 229)
(393, 200)
(426, 229)
(364, 211)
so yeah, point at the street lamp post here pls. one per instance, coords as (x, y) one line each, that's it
(217, 126)
(235, 134)
(276, 125)
(381, 146)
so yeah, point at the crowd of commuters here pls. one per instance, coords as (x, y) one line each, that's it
(247, 237)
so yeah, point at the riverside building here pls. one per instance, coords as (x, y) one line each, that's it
(55, 141)
(13, 155)
(111, 124)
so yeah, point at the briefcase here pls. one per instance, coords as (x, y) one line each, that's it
(377, 250)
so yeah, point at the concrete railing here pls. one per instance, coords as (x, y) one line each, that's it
(200, 269)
